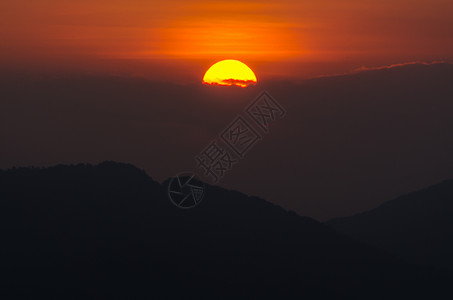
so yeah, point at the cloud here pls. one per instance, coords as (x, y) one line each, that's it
(426, 63)
(385, 67)
(241, 83)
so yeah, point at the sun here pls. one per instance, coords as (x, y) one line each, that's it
(229, 72)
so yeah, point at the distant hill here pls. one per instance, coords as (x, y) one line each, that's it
(346, 144)
(417, 226)
(109, 231)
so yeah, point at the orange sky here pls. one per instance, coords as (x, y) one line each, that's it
(285, 37)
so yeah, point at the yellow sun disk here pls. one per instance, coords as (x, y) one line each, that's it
(230, 72)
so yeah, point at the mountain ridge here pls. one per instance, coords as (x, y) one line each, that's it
(417, 226)
(110, 231)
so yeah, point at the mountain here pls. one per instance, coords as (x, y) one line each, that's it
(346, 144)
(109, 231)
(417, 227)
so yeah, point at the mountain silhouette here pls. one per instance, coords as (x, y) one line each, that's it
(110, 231)
(417, 226)
(346, 143)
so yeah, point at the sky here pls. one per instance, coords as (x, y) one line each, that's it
(122, 81)
(178, 40)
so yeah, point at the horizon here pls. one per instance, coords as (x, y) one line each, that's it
(61, 74)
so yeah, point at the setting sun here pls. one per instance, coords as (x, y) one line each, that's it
(229, 72)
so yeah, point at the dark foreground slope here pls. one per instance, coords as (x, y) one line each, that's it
(108, 231)
(417, 226)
